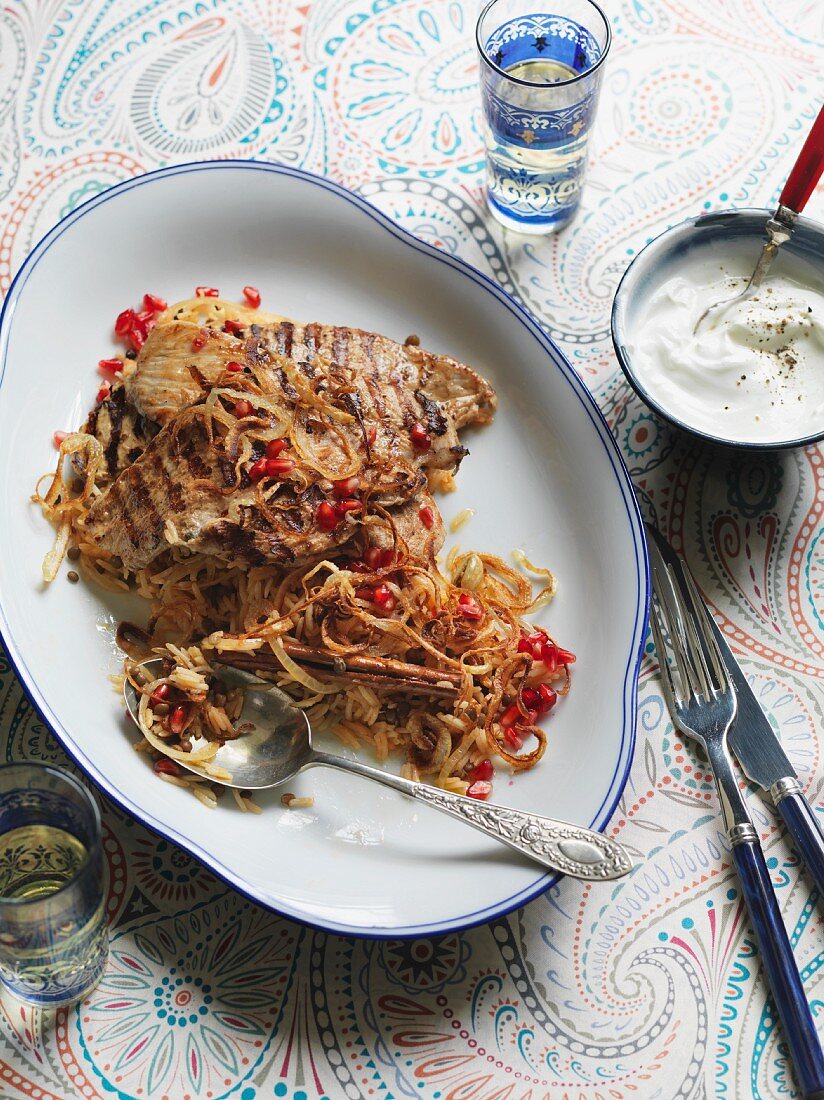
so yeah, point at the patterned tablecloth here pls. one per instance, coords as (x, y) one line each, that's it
(650, 989)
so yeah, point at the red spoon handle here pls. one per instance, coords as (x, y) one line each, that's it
(807, 169)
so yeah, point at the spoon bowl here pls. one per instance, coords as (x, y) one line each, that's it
(274, 750)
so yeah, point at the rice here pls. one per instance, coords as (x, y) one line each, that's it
(462, 518)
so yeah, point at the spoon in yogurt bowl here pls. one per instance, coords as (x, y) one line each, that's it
(277, 744)
(800, 184)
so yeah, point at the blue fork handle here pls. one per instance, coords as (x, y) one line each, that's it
(782, 971)
(799, 817)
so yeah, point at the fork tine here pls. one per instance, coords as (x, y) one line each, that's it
(693, 640)
(674, 700)
(702, 616)
(672, 619)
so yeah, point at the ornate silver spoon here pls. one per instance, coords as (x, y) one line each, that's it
(280, 745)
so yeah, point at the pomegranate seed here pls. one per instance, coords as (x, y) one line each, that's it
(165, 766)
(548, 656)
(160, 694)
(178, 719)
(257, 470)
(327, 517)
(346, 488)
(565, 657)
(548, 697)
(147, 318)
(387, 558)
(279, 467)
(275, 446)
(233, 327)
(110, 367)
(137, 334)
(524, 646)
(383, 597)
(124, 322)
(513, 739)
(480, 789)
(243, 408)
(531, 698)
(206, 292)
(252, 296)
(421, 439)
(427, 517)
(58, 438)
(199, 342)
(371, 436)
(103, 392)
(153, 304)
(344, 506)
(482, 770)
(469, 607)
(234, 367)
(511, 716)
(372, 557)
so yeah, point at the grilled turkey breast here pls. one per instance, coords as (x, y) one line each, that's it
(371, 397)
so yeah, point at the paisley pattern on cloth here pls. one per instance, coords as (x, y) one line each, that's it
(649, 989)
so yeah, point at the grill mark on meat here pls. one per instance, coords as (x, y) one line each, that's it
(256, 351)
(435, 419)
(374, 377)
(287, 387)
(310, 340)
(139, 510)
(115, 405)
(227, 471)
(286, 334)
(340, 346)
(307, 369)
(198, 468)
(171, 488)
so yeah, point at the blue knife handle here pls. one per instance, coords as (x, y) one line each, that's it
(801, 822)
(782, 972)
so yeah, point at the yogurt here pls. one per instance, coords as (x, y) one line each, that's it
(754, 371)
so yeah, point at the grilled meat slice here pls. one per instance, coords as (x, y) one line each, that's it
(176, 493)
(349, 395)
(190, 486)
(464, 396)
(163, 382)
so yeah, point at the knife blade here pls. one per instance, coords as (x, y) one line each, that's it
(752, 738)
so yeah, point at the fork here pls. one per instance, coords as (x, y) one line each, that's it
(702, 701)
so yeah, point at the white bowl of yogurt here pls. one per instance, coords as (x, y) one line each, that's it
(753, 373)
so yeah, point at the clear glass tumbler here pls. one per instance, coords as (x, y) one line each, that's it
(540, 79)
(53, 936)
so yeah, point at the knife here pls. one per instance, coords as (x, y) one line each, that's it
(759, 752)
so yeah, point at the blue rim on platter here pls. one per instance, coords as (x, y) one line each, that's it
(623, 485)
(639, 278)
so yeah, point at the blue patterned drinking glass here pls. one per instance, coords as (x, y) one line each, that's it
(540, 79)
(53, 936)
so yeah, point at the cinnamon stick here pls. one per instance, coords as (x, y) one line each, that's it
(385, 672)
(247, 663)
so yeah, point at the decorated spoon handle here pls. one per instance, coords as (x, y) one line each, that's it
(558, 845)
(806, 171)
